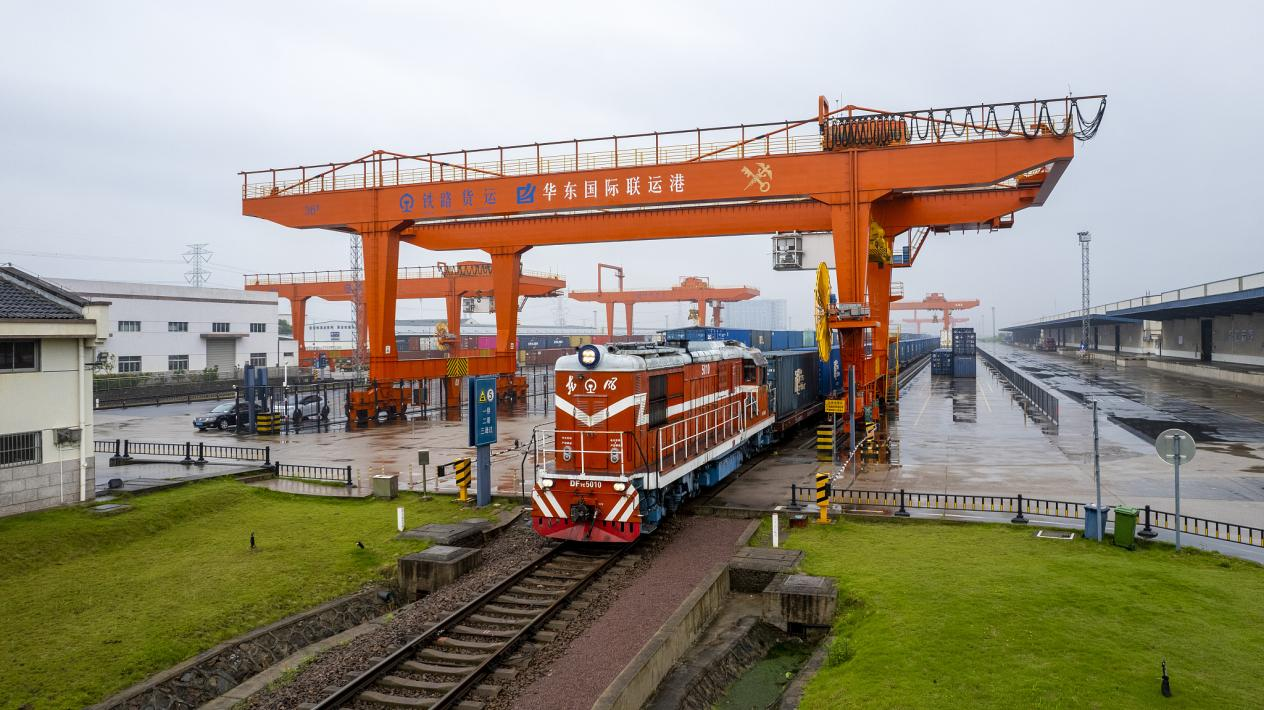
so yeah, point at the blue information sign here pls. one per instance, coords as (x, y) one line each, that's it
(482, 412)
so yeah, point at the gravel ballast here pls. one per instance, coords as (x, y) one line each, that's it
(502, 556)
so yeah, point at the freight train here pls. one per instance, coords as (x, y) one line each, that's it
(642, 427)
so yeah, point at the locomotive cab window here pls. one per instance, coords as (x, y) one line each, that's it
(749, 372)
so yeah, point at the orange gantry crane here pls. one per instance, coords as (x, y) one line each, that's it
(451, 282)
(942, 306)
(934, 320)
(846, 170)
(691, 289)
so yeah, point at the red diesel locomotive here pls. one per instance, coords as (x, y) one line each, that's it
(640, 428)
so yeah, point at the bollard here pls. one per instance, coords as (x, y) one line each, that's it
(348, 474)
(794, 495)
(822, 496)
(902, 512)
(188, 454)
(399, 518)
(1019, 518)
(201, 459)
(463, 477)
(1147, 532)
(776, 530)
(267, 455)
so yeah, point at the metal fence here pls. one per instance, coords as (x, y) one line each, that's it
(1041, 398)
(188, 452)
(314, 473)
(1022, 506)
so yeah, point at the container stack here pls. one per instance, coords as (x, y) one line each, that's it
(941, 360)
(963, 347)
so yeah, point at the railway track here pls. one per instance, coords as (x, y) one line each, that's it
(462, 660)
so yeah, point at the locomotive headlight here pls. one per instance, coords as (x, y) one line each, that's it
(619, 487)
(567, 453)
(589, 356)
(546, 482)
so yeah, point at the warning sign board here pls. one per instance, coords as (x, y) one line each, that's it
(836, 406)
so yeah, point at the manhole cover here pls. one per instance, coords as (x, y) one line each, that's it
(1055, 535)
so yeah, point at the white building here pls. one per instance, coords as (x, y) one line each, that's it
(758, 314)
(47, 338)
(154, 328)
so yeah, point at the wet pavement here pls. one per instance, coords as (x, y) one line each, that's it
(970, 436)
(384, 448)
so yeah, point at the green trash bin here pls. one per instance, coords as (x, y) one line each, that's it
(1125, 526)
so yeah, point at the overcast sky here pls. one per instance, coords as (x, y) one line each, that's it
(123, 126)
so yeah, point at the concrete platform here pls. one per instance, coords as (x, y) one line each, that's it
(434, 568)
(751, 569)
(466, 532)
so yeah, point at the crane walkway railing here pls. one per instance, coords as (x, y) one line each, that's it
(846, 127)
(405, 273)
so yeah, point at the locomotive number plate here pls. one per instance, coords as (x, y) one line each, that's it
(585, 484)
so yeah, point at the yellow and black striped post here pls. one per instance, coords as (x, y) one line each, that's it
(822, 495)
(463, 476)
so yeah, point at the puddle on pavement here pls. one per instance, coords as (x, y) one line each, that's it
(762, 684)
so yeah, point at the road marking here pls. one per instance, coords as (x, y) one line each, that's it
(986, 403)
(919, 414)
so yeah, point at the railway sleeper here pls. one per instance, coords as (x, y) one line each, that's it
(394, 681)
(507, 611)
(430, 668)
(522, 601)
(550, 583)
(468, 659)
(549, 592)
(485, 633)
(495, 620)
(449, 642)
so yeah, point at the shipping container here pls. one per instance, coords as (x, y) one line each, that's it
(485, 342)
(578, 340)
(963, 366)
(793, 381)
(941, 361)
(531, 342)
(832, 378)
(761, 339)
(963, 341)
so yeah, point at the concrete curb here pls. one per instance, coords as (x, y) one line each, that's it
(744, 539)
(641, 677)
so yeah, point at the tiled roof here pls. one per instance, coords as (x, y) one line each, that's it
(26, 297)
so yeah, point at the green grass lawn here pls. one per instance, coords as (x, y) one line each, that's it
(92, 605)
(959, 615)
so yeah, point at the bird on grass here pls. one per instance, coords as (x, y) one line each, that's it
(359, 544)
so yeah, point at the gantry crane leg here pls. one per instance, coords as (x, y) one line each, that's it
(506, 276)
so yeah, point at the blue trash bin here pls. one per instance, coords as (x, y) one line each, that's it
(1095, 521)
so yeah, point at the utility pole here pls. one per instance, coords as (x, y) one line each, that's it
(197, 256)
(994, 324)
(1085, 238)
(357, 299)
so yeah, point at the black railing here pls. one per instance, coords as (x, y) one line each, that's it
(314, 473)
(188, 452)
(1041, 398)
(1023, 506)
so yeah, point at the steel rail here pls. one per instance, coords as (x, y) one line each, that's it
(353, 688)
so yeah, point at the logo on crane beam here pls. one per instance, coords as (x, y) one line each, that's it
(406, 202)
(761, 177)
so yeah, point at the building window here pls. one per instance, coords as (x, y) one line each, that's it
(219, 327)
(129, 326)
(177, 326)
(259, 359)
(258, 327)
(19, 355)
(20, 449)
(335, 335)
(177, 363)
(129, 363)
(289, 354)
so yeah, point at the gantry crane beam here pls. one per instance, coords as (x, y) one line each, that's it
(837, 171)
(691, 289)
(451, 282)
(943, 306)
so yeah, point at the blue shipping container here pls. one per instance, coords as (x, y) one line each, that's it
(793, 380)
(833, 379)
(963, 366)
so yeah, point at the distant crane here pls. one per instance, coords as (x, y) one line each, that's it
(691, 289)
(936, 302)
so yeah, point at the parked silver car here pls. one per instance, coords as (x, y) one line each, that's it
(312, 406)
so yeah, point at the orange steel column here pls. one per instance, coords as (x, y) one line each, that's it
(609, 319)
(879, 277)
(702, 312)
(381, 271)
(298, 326)
(452, 302)
(627, 315)
(506, 271)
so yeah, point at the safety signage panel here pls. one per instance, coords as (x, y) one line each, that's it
(835, 406)
(482, 410)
